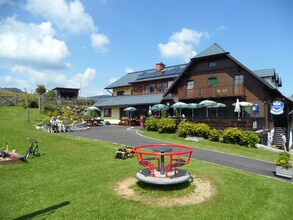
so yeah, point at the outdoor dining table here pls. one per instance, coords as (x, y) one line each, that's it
(162, 150)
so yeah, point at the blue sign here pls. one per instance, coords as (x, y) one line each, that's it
(277, 108)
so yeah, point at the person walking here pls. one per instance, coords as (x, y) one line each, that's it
(284, 141)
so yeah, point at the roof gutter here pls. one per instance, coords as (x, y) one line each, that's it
(109, 91)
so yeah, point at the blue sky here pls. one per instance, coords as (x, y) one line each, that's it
(88, 44)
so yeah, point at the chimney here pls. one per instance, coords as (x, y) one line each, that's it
(160, 66)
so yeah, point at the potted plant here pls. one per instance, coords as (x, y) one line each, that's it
(284, 165)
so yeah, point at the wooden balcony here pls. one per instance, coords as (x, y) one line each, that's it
(211, 92)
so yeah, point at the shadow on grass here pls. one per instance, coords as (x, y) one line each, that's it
(174, 187)
(43, 211)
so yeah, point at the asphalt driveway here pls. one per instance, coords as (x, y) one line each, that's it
(128, 136)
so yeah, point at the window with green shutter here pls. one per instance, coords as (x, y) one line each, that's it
(212, 81)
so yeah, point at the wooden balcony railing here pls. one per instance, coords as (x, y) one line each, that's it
(143, 92)
(215, 91)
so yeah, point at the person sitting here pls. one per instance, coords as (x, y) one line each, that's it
(59, 125)
(52, 125)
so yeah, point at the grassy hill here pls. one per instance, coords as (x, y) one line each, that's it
(77, 178)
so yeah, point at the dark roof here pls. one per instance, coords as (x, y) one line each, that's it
(167, 72)
(147, 75)
(215, 49)
(65, 88)
(127, 100)
(124, 80)
(266, 72)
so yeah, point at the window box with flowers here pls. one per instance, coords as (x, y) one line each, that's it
(284, 165)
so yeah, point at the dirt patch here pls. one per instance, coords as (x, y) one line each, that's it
(203, 191)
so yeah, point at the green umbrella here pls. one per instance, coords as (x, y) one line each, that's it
(219, 105)
(207, 103)
(193, 106)
(130, 109)
(179, 105)
(159, 107)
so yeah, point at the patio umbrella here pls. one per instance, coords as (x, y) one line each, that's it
(179, 105)
(93, 108)
(219, 105)
(237, 107)
(207, 103)
(159, 107)
(129, 110)
(245, 104)
(193, 106)
(150, 111)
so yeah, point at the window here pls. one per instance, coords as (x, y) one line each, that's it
(212, 81)
(138, 89)
(190, 84)
(212, 64)
(161, 87)
(120, 93)
(239, 79)
(149, 88)
(107, 112)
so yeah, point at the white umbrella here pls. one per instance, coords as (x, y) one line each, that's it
(150, 111)
(237, 107)
(207, 103)
(245, 104)
(93, 108)
(193, 106)
(179, 105)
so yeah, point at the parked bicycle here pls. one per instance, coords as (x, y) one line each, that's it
(33, 149)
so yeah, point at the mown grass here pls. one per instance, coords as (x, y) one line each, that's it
(76, 178)
(215, 146)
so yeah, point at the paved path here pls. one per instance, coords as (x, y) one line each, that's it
(128, 136)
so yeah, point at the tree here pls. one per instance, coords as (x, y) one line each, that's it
(51, 94)
(40, 90)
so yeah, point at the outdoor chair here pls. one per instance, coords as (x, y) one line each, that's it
(146, 162)
(177, 161)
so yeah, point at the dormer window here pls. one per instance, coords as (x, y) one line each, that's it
(119, 93)
(212, 64)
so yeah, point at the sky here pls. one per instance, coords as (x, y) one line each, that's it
(88, 44)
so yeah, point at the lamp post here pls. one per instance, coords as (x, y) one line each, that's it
(26, 104)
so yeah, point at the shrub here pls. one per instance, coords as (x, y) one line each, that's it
(249, 138)
(231, 135)
(284, 160)
(185, 129)
(166, 125)
(151, 124)
(214, 135)
(201, 130)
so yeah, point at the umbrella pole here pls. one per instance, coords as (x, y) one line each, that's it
(207, 112)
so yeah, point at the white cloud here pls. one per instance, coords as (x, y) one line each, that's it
(82, 80)
(99, 41)
(31, 43)
(128, 70)
(181, 44)
(29, 78)
(69, 16)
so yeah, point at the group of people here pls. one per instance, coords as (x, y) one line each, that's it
(56, 125)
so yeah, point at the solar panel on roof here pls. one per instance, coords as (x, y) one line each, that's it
(167, 71)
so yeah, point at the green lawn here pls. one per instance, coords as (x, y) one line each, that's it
(215, 146)
(76, 177)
